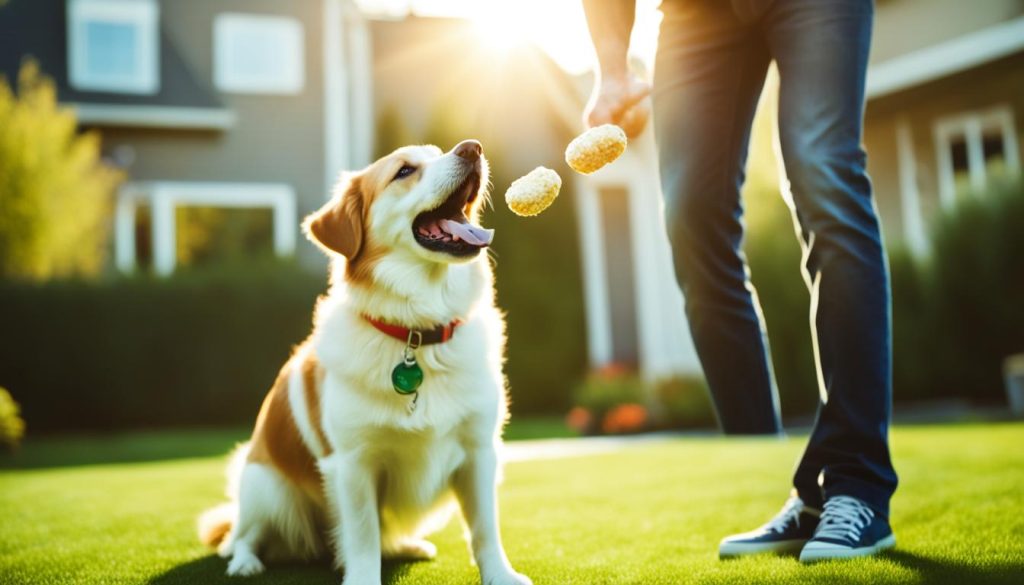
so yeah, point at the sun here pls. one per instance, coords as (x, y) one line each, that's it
(499, 25)
(556, 26)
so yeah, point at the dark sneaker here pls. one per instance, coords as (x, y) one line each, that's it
(788, 531)
(848, 528)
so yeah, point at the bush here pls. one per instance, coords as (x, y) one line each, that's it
(56, 193)
(975, 282)
(201, 347)
(684, 403)
(913, 329)
(12, 428)
(613, 400)
(774, 255)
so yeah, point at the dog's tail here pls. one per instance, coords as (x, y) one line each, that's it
(215, 524)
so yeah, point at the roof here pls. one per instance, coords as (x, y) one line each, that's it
(37, 29)
(946, 58)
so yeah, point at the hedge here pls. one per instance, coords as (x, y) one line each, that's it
(191, 350)
(203, 347)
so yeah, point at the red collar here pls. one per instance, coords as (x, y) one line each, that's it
(439, 334)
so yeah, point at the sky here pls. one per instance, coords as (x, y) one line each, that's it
(558, 27)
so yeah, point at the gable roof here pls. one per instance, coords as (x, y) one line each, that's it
(37, 29)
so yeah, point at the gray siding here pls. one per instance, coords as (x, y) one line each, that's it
(275, 139)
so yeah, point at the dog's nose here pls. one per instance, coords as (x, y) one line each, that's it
(468, 149)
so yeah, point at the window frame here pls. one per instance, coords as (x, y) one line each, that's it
(971, 125)
(227, 80)
(144, 16)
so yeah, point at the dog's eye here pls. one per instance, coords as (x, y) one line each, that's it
(404, 172)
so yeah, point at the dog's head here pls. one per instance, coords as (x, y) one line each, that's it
(417, 199)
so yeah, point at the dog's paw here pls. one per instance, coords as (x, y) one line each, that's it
(244, 564)
(412, 550)
(509, 578)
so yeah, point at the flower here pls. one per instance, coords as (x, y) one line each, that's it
(580, 420)
(625, 418)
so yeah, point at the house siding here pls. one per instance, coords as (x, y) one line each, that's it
(275, 138)
(997, 83)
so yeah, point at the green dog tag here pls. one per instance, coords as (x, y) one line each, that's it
(407, 377)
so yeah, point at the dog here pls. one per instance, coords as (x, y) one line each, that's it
(389, 416)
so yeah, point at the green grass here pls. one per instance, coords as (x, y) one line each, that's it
(649, 514)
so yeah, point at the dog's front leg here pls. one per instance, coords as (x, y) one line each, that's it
(358, 535)
(476, 489)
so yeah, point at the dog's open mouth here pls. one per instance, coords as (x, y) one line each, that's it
(447, 229)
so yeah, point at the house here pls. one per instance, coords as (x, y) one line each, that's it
(214, 103)
(945, 109)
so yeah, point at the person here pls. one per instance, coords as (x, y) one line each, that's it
(711, 64)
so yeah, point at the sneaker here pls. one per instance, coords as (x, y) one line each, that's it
(787, 532)
(848, 528)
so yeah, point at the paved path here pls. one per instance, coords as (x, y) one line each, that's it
(536, 449)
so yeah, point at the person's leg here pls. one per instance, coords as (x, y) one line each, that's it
(821, 47)
(708, 77)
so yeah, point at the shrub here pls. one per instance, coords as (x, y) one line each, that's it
(683, 402)
(975, 280)
(12, 428)
(913, 328)
(56, 193)
(774, 255)
(600, 394)
(613, 400)
(624, 419)
(201, 347)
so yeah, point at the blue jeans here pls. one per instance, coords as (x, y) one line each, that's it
(711, 65)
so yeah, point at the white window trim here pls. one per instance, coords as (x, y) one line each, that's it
(230, 81)
(141, 116)
(914, 232)
(972, 125)
(165, 196)
(144, 15)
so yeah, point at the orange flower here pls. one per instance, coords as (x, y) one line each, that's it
(625, 418)
(579, 419)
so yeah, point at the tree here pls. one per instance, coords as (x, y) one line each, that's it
(55, 193)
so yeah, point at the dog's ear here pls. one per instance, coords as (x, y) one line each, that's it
(338, 225)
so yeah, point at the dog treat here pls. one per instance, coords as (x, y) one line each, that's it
(595, 148)
(534, 192)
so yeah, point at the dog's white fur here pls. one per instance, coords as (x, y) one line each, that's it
(389, 476)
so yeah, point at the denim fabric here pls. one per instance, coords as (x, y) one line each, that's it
(711, 65)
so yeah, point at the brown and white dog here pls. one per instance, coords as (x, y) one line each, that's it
(339, 460)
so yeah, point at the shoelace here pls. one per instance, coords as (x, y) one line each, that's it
(790, 513)
(843, 518)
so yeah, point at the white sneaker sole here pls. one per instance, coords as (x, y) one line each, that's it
(822, 551)
(728, 550)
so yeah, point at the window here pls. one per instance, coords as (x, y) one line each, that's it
(972, 148)
(113, 46)
(258, 54)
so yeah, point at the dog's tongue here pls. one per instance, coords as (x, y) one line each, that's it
(468, 232)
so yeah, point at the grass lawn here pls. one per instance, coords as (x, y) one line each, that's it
(100, 510)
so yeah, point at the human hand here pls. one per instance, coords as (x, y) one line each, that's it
(619, 100)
